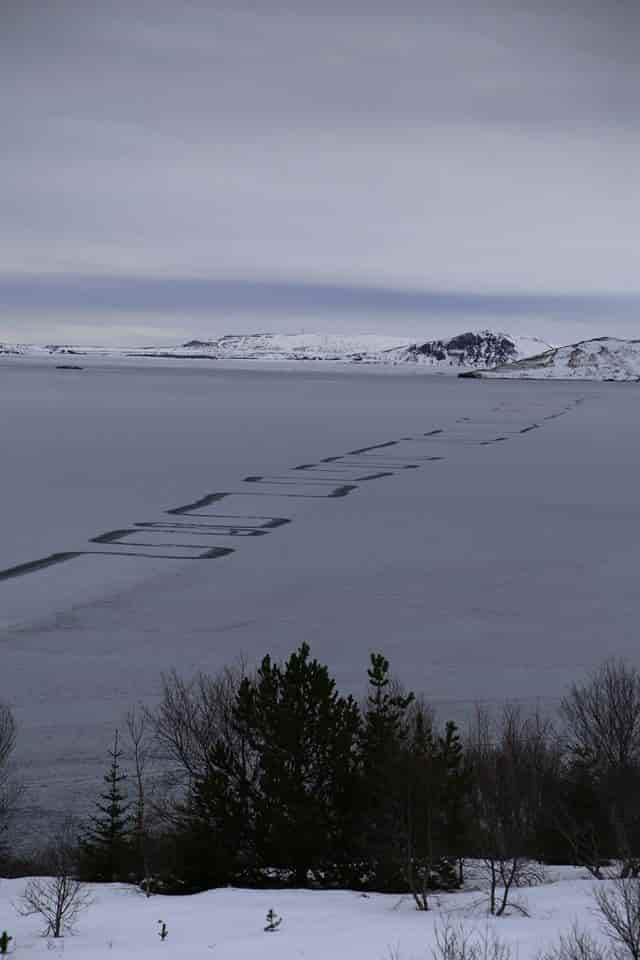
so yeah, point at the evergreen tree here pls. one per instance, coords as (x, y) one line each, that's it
(105, 845)
(213, 839)
(305, 738)
(455, 795)
(383, 746)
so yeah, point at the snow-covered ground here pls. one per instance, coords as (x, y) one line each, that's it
(228, 923)
(605, 358)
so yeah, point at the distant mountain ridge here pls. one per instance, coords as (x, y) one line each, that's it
(485, 353)
(471, 349)
(480, 348)
(483, 348)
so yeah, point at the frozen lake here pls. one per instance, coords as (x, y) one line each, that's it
(483, 535)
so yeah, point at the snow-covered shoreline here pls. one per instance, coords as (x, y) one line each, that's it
(481, 348)
(485, 352)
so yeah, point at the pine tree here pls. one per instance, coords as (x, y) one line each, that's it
(273, 921)
(105, 845)
(305, 737)
(383, 745)
(456, 788)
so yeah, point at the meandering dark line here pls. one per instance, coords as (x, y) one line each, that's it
(288, 480)
(269, 522)
(202, 502)
(350, 468)
(297, 496)
(213, 554)
(382, 459)
(374, 476)
(374, 446)
(188, 546)
(343, 491)
(386, 465)
(223, 532)
(206, 529)
(24, 568)
(112, 535)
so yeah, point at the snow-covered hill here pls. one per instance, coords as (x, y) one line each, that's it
(603, 358)
(480, 349)
(484, 348)
(295, 346)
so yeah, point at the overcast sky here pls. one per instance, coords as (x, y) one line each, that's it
(173, 168)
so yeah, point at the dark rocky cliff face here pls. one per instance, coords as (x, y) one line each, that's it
(469, 349)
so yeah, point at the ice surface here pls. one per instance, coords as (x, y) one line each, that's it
(503, 568)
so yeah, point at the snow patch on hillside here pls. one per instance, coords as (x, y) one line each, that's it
(603, 358)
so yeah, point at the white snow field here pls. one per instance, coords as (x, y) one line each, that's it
(483, 535)
(315, 925)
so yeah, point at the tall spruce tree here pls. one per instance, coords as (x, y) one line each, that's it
(383, 745)
(437, 806)
(305, 736)
(456, 790)
(105, 845)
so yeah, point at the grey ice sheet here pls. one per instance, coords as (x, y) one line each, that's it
(483, 535)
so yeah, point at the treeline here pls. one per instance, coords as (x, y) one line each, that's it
(274, 777)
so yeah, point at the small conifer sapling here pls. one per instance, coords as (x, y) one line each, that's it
(273, 921)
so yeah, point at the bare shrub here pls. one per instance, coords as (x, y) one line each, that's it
(513, 761)
(457, 942)
(603, 715)
(193, 715)
(10, 788)
(619, 905)
(139, 733)
(602, 721)
(577, 944)
(61, 898)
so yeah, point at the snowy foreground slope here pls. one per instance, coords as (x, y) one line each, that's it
(228, 923)
(604, 358)
(483, 348)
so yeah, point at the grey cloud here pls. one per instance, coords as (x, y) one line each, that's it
(132, 293)
(200, 67)
(457, 146)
